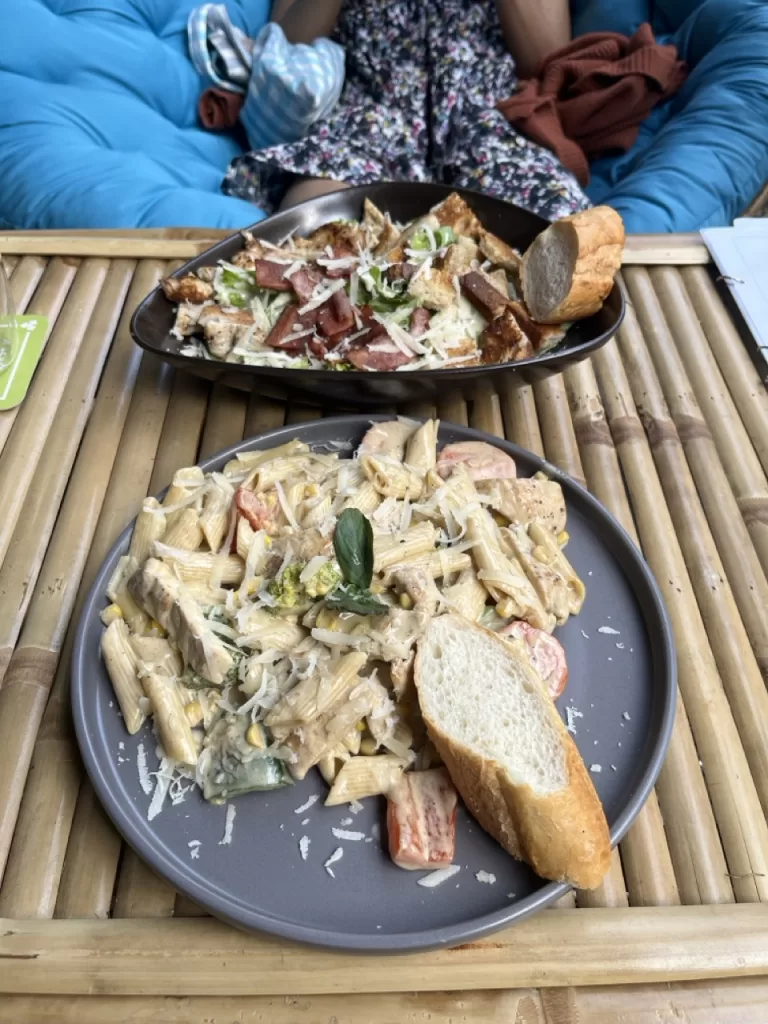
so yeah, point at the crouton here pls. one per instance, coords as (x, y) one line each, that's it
(186, 289)
(499, 253)
(454, 213)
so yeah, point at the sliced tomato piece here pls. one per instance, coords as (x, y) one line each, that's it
(546, 655)
(421, 820)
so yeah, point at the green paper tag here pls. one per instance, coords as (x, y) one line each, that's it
(21, 342)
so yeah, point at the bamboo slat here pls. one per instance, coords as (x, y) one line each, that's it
(734, 607)
(731, 789)
(19, 570)
(33, 871)
(82, 892)
(24, 447)
(140, 892)
(738, 457)
(557, 426)
(646, 249)
(650, 877)
(747, 389)
(49, 285)
(9, 264)
(33, 665)
(556, 949)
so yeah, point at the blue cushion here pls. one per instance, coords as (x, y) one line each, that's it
(701, 157)
(98, 124)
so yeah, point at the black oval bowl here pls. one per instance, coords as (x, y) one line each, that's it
(152, 322)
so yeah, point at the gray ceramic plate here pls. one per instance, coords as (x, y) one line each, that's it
(621, 680)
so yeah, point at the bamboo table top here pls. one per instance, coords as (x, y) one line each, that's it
(667, 425)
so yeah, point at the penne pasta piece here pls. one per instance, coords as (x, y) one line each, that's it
(328, 766)
(294, 495)
(391, 478)
(421, 449)
(311, 742)
(467, 596)
(547, 581)
(411, 546)
(204, 594)
(186, 482)
(502, 575)
(171, 720)
(366, 498)
(545, 539)
(199, 566)
(244, 535)
(387, 438)
(270, 632)
(445, 562)
(361, 777)
(162, 595)
(317, 694)
(155, 654)
(150, 526)
(352, 740)
(119, 594)
(267, 474)
(122, 668)
(246, 461)
(185, 531)
(217, 511)
(318, 513)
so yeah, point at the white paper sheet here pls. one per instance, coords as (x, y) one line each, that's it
(741, 255)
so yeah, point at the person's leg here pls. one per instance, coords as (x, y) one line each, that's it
(309, 188)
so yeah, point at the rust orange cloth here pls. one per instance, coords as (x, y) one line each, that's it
(219, 109)
(590, 96)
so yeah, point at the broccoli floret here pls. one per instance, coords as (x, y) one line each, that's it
(287, 589)
(326, 579)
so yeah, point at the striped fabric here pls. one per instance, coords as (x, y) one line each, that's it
(287, 86)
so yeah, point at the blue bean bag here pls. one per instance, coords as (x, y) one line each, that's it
(98, 123)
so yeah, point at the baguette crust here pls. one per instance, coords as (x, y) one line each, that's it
(562, 835)
(597, 239)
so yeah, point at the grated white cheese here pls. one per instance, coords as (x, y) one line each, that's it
(596, 768)
(376, 831)
(287, 512)
(342, 833)
(345, 821)
(320, 295)
(334, 638)
(620, 646)
(609, 630)
(305, 806)
(229, 822)
(355, 807)
(486, 877)
(435, 878)
(571, 714)
(141, 763)
(337, 854)
(625, 716)
(194, 849)
(585, 635)
(304, 847)
(163, 779)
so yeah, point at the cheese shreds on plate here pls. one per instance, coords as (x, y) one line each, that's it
(485, 877)
(141, 763)
(304, 847)
(609, 630)
(435, 878)
(307, 804)
(337, 854)
(228, 825)
(342, 833)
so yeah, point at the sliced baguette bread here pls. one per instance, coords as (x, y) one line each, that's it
(568, 271)
(508, 752)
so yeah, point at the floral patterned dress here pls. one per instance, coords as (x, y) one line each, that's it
(422, 81)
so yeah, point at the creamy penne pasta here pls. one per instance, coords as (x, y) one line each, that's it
(267, 617)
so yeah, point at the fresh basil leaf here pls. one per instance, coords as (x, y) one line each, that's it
(353, 544)
(352, 599)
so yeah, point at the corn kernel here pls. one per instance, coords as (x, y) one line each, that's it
(155, 629)
(541, 554)
(376, 588)
(563, 537)
(361, 629)
(368, 746)
(255, 737)
(360, 726)
(110, 613)
(311, 490)
(405, 601)
(327, 619)
(194, 712)
(267, 542)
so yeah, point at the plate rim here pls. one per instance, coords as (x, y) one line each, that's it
(378, 942)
